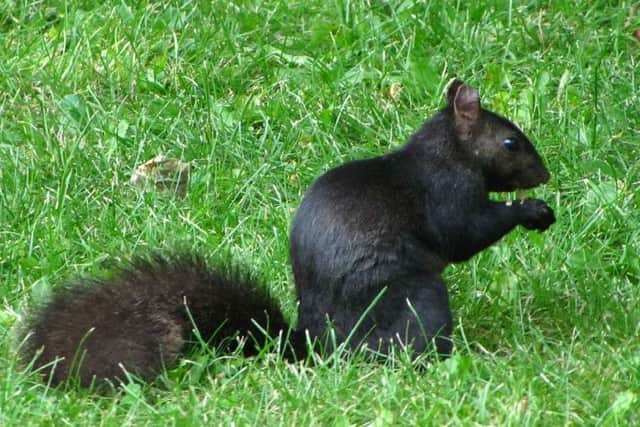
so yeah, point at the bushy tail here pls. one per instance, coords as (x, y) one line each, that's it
(141, 318)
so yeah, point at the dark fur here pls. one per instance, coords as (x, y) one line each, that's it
(139, 320)
(384, 227)
(391, 224)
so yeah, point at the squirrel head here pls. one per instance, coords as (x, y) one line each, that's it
(507, 158)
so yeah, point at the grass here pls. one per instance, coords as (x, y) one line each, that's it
(262, 97)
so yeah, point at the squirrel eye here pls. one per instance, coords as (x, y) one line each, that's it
(511, 144)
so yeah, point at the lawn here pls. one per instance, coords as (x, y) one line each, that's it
(261, 97)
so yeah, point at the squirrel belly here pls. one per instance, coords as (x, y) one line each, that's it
(141, 319)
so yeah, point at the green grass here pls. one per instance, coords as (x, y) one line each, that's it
(262, 97)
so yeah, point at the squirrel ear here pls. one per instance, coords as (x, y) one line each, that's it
(466, 108)
(466, 103)
(452, 90)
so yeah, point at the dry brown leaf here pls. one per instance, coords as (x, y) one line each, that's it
(164, 174)
(523, 405)
(394, 90)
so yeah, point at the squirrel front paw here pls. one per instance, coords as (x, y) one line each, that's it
(536, 214)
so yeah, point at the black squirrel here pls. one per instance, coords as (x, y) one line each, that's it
(368, 246)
